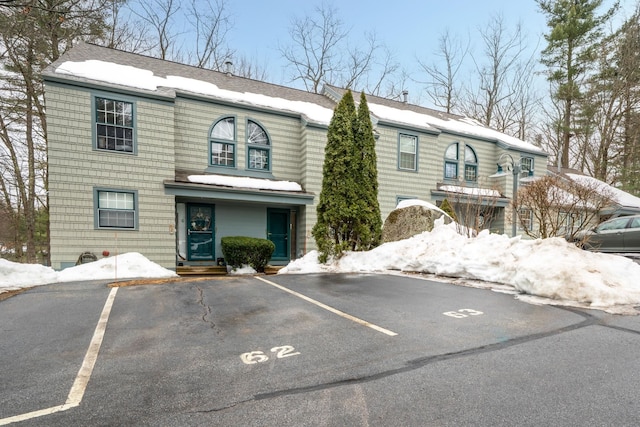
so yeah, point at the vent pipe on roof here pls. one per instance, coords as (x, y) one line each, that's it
(228, 68)
(405, 93)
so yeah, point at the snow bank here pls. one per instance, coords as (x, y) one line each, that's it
(549, 268)
(126, 266)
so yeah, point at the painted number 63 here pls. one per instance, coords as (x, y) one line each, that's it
(462, 313)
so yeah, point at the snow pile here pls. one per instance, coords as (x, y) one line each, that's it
(15, 276)
(245, 182)
(126, 266)
(549, 268)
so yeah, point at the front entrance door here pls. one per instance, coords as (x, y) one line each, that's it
(278, 233)
(200, 235)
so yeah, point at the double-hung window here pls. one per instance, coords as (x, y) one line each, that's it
(470, 165)
(408, 152)
(223, 142)
(526, 166)
(451, 162)
(114, 125)
(526, 218)
(115, 209)
(259, 147)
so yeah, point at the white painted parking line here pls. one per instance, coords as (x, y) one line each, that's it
(331, 309)
(84, 374)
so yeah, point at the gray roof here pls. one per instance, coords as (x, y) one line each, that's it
(164, 68)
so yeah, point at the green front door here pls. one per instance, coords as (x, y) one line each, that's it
(278, 233)
(200, 235)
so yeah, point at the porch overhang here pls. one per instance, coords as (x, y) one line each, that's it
(237, 194)
(483, 200)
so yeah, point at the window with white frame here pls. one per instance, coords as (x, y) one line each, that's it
(115, 209)
(114, 125)
(526, 166)
(526, 218)
(408, 152)
(451, 162)
(470, 164)
(259, 151)
(223, 142)
(568, 222)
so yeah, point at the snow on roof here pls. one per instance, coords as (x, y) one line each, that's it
(474, 191)
(464, 125)
(245, 182)
(126, 75)
(620, 197)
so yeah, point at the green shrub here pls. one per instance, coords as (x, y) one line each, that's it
(239, 251)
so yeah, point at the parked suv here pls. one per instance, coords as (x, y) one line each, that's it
(621, 234)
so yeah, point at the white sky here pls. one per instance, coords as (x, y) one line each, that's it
(549, 271)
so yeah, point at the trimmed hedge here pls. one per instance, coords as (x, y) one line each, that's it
(239, 251)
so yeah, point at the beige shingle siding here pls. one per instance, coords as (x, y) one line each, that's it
(195, 118)
(394, 182)
(73, 176)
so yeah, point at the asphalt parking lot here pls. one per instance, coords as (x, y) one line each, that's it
(325, 350)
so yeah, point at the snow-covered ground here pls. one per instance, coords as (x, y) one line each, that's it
(126, 266)
(549, 271)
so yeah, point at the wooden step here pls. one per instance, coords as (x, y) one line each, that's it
(201, 270)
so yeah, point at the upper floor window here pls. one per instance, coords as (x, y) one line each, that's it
(408, 152)
(114, 125)
(259, 150)
(526, 166)
(470, 165)
(115, 209)
(223, 142)
(451, 162)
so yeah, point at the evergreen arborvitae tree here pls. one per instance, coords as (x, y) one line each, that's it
(336, 211)
(448, 209)
(368, 229)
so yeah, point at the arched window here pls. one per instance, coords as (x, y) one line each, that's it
(451, 162)
(470, 165)
(223, 142)
(259, 151)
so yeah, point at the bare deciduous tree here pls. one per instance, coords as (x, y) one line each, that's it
(320, 52)
(30, 39)
(211, 24)
(314, 51)
(126, 31)
(160, 16)
(560, 206)
(502, 97)
(444, 83)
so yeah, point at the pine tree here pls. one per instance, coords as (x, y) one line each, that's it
(574, 30)
(336, 211)
(368, 229)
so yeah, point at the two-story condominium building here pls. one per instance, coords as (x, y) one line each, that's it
(165, 159)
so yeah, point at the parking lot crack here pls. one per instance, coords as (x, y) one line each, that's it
(222, 408)
(206, 308)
